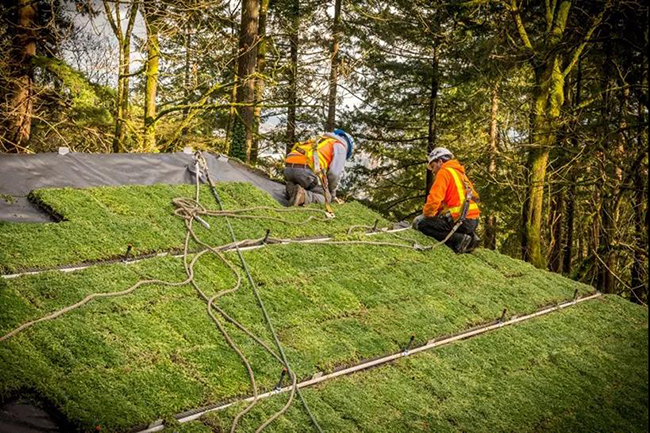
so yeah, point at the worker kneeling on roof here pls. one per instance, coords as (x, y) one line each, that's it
(314, 168)
(452, 202)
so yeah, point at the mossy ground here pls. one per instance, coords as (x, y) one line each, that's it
(126, 361)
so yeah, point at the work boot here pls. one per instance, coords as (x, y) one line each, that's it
(290, 190)
(474, 244)
(464, 244)
(298, 196)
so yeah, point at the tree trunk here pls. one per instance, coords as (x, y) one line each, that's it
(187, 78)
(557, 205)
(118, 136)
(639, 288)
(552, 59)
(537, 161)
(567, 251)
(153, 57)
(233, 95)
(640, 207)
(611, 171)
(334, 67)
(241, 142)
(433, 107)
(605, 253)
(491, 221)
(571, 199)
(21, 102)
(259, 83)
(187, 68)
(124, 44)
(548, 98)
(124, 109)
(292, 99)
(593, 242)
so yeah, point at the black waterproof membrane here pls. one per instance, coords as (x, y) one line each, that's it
(20, 174)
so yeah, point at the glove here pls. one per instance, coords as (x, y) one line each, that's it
(417, 220)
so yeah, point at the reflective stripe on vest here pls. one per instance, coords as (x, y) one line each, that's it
(460, 188)
(315, 156)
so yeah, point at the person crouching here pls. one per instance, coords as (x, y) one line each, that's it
(446, 204)
(313, 169)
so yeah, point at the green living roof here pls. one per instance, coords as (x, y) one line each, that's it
(126, 361)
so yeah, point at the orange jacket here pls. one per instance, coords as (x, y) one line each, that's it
(448, 192)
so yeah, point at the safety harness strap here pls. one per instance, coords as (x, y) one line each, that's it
(462, 184)
(311, 151)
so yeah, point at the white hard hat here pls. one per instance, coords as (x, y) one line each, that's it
(439, 152)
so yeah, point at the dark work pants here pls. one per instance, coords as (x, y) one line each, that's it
(439, 227)
(314, 192)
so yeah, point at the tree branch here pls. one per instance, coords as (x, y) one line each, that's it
(133, 12)
(550, 12)
(581, 47)
(111, 20)
(520, 25)
(559, 24)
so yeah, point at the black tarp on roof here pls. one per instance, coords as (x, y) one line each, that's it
(20, 174)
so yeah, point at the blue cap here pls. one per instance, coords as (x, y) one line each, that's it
(349, 140)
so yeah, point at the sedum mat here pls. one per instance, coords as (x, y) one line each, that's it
(122, 362)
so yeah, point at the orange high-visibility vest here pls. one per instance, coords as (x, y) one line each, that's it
(458, 195)
(316, 153)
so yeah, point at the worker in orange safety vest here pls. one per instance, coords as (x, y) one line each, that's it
(452, 203)
(313, 169)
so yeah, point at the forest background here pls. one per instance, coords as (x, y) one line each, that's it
(544, 102)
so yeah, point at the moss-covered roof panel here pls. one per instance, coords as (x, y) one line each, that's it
(561, 372)
(125, 361)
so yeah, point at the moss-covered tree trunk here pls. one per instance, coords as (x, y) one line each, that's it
(240, 146)
(334, 68)
(259, 82)
(548, 98)
(552, 59)
(151, 84)
(21, 104)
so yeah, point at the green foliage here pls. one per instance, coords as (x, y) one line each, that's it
(90, 103)
(238, 143)
(124, 361)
